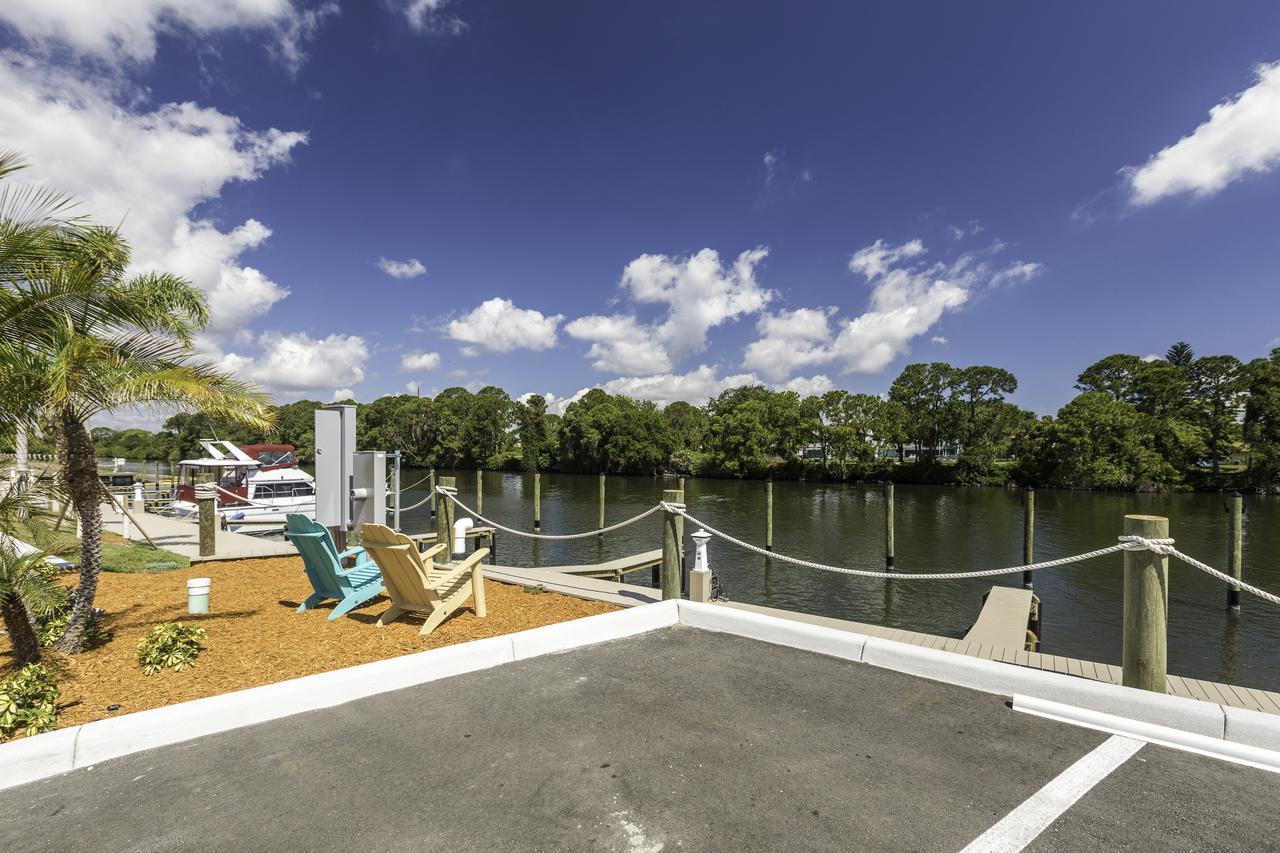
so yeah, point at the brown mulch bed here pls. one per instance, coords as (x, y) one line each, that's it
(255, 637)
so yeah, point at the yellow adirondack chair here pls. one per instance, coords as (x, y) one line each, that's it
(416, 584)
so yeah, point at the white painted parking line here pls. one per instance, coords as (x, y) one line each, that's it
(1019, 827)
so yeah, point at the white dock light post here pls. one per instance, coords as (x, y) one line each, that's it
(700, 577)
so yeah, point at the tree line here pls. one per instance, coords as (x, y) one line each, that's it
(1136, 424)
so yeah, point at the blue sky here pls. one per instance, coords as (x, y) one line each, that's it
(665, 199)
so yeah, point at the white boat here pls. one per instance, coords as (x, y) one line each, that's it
(258, 484)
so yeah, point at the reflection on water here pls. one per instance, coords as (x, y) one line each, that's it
(938, 529)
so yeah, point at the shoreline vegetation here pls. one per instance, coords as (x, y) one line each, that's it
(1176, 423)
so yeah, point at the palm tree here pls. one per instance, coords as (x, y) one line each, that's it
(79, 337)
(28, 588)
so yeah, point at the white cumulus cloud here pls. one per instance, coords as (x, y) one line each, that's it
(149, 169)
(342, 394)
(908, 298)
(292, 363)
(789, 341)
(411, 268)
(126, 31)
(699, 293)
(498, 325)
(1241, 136)
(420, 361)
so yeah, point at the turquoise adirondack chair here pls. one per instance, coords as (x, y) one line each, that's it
(351, 587)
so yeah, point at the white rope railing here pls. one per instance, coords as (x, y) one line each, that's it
(526, 534)
(425, 500)
(1125, 543)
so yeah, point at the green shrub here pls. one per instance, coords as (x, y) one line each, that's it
(170, 645)
(28, 701)
(49, 626)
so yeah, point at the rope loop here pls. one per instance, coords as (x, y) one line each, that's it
(1141, 543)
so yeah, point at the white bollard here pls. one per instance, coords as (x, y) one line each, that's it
(198, 595)
(700, 577)
(139, 503)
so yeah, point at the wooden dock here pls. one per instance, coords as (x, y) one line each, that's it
(1192, 688)
(183, 537)
(1003, 621)
(614, 569)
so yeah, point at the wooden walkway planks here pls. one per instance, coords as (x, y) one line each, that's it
(1003, 619)
(1192, 688)
(183, 537)
(611, 569)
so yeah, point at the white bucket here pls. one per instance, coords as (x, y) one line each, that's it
(198, 595)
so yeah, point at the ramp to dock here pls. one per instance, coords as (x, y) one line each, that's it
(612, 569)
(1003, 621)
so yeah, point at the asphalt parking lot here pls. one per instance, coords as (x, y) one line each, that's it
(674, 740)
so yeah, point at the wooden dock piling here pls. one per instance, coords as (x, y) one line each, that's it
(537, 501)
(1028, 533)
(768, 515)
(1146, 607)
(431, 490)
(445, 513)
(1235, 552)
(672, 539)
(600, 508)
(479, 490)
(888, 525)
(208, 509)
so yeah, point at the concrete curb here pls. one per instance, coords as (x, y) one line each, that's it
(1227, 727)
(53, 753)
(1239, 753)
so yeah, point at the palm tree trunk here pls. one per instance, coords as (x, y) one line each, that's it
(80, 471)
(22, 637)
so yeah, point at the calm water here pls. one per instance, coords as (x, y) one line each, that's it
(938, 529)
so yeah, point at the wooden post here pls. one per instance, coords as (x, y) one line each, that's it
(600, 512)
(1235, 554)
(1028, 533)
(681, 486)
(672, 530)
(480, 490)
(431, 490)
(1146, 606)
(888, 525)
(537, 502)
(208, 525)
(444, 515)
(768, 515)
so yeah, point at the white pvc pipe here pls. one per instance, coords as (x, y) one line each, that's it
(460, 528)
(198, 595)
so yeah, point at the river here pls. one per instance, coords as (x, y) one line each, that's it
(938, 529)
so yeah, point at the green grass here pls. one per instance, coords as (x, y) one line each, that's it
(118, 554)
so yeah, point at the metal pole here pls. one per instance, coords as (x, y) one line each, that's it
(1146, 607)
(1028, 533)
(672, 530)
(1235, 556)
(888, 525)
